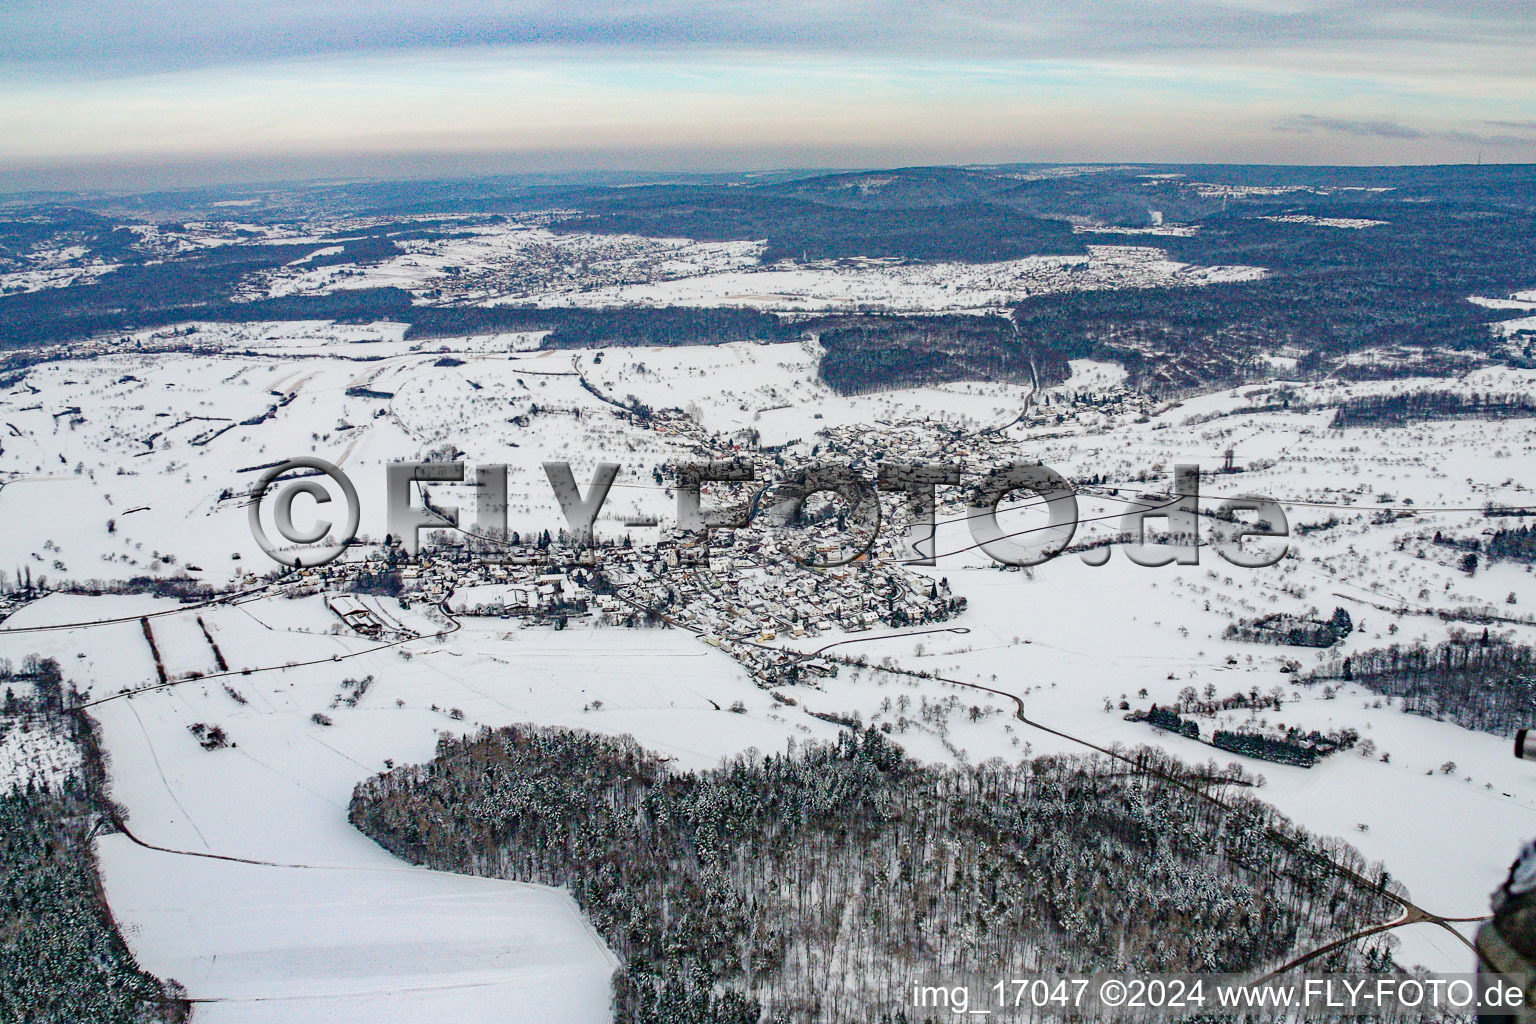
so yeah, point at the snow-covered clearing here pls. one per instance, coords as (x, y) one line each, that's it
(34, 752)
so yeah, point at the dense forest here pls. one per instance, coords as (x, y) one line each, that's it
(601, 328)
(1517, 544)
(61, 314)
(62, 960)
(874, 353)
(1413, 406)
(1477, 681)
(810, 886)
(798, 229)
(1404, 282)
(1171, 338)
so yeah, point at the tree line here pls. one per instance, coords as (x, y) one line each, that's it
(1408, 407)
(1477, 681)
(62, 959)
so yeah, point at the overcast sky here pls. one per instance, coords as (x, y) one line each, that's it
(123, 91)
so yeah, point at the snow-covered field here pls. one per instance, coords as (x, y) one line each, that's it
(1517, 300)
(1326, 222)
(36, 279)
(884, 285)
(326, 925)
(135, 464)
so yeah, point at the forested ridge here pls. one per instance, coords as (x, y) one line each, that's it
(810, 886)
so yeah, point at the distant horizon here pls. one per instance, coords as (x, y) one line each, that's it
(169, 179)
(108, 93)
